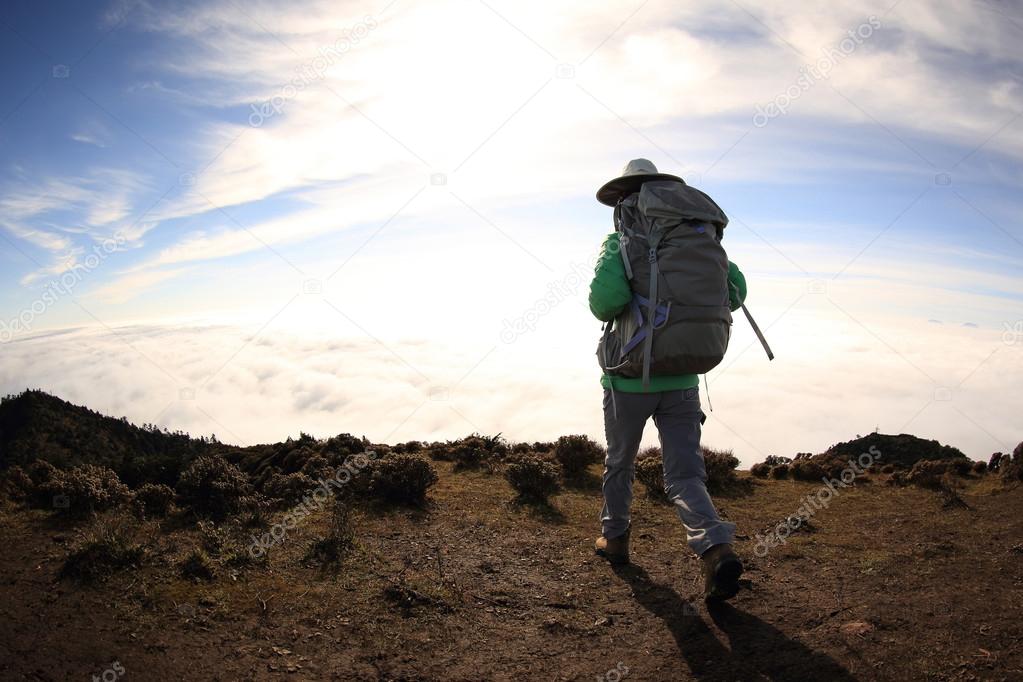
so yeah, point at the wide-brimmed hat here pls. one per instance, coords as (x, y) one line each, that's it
(635, 173)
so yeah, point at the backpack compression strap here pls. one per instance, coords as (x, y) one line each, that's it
(648, 342)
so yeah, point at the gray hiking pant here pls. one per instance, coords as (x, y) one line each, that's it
(678, 418)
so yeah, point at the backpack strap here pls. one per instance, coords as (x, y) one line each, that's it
(760, 334)
(648, 342)
(623, 241)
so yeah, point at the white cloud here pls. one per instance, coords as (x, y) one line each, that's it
(832, 380)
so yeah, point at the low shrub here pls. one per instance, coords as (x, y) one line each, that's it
(18, 484)
(408, 447)
(472, 451)
(83, 491)
(1012, 469)
(111, 548)
(212, 486)
(780, 471)
(775, 460)
(338, 448)
(576, 453)
(340, 537)
(961, 467)
(287, 490)
(928, 473)
(806, 470)
(198, 566)
(42, 475)
(995, 461)
(317, 467)
(212, 538)
(761, 470)
(650, 472)
(831, 465)
(154, 500)
(403, 479)
(720, 465)
(533, 477)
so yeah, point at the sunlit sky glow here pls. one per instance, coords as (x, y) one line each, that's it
(322, 215)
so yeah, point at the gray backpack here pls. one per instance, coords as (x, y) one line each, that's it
(679, 320)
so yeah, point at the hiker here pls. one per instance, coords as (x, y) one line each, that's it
(665, 290)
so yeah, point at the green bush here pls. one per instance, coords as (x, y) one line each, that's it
(650, 472)
(153, 500)
(198, 566)
(474, 450)
(212, 486)
(806, 470)
(111, 548)
(576, 453)
(720, 465)
(1012, 469)
(18, 485)
(928, 473)
(533, 477)
(317, 467)
(287, 490)
(399, 478)
(83, 491)
(340, 537)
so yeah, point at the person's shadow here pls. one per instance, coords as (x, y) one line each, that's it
(759, 651)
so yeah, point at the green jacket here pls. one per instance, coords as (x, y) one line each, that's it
(610, 294)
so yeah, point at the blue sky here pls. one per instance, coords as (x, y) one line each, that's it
(404, 175)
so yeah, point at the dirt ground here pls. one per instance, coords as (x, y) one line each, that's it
(889, 585)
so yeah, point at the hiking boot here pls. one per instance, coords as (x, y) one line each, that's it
(615, 550)
(721, 571)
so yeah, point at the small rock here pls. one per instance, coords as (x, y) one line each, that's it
(857, 628)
